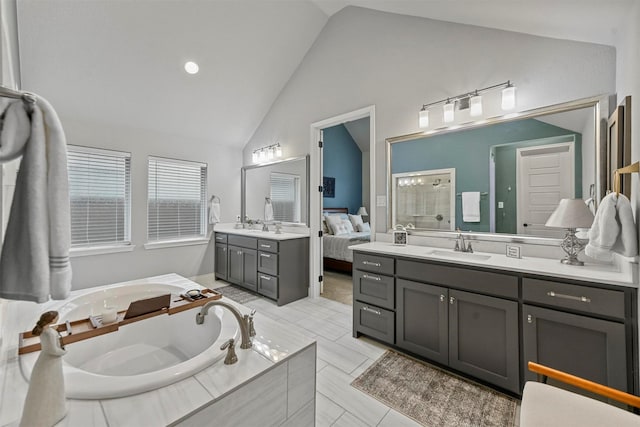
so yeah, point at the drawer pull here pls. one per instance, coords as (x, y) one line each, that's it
(375, 264)
(366, 276)
(265, 255)
(265, 246)
(267, 278)
(371, 310)
(571, 297)
(238, 252)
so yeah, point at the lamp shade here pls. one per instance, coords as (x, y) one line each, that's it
(363, 211)
(571, 213)
(424, 118)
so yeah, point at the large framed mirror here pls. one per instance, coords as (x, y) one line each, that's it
(285, 183)
(500, 177)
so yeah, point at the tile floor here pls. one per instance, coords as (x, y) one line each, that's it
(341, 358)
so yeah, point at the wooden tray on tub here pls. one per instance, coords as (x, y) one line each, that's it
(80, 330)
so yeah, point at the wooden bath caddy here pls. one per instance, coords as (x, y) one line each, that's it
(92, 326)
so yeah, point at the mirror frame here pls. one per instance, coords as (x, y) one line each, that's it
(243, 182)
(601, 110)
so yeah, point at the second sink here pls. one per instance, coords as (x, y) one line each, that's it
(461, 255)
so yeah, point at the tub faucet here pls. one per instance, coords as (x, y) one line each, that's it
(243, 321)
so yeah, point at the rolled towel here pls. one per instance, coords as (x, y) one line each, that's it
(268, 211)
(214, 211)
(471, 206)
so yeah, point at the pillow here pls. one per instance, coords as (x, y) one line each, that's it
(340, 229)
(348, 225)
(325, 228)
(364, 227)
(355, 220)
(333, 222)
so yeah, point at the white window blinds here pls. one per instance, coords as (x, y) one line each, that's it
(100, 195)
(285, 197)
(177, 205)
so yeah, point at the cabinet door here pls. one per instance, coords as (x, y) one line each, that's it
(250, 269)
(422, 320)
(590, 348)
(483, 338)
(221, 261)
(235, 265)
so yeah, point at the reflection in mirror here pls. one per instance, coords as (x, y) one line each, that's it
(518, 169)
(425, 199)
(277, 191)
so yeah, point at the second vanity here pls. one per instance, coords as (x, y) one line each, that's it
(488, 315)
(256, 261)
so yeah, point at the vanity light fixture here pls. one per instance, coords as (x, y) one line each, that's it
(469, 100)
(265, 154)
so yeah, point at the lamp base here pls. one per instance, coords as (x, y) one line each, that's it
(572, 247)
(570, 261)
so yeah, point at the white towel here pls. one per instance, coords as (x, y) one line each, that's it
(268, 211)
(34, 263)
(613, 229)
(214, 211)
(471, 206)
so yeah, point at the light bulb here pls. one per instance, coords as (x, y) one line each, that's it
(509, 97)
(475, 106)
(270, 154)
(278, 151)
(263, 155)
(423, 121)
(447, 111)
(191, 67)
(254, 157)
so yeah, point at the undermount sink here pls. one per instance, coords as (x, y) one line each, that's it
(461, 255)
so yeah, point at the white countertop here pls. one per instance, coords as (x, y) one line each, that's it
(272, 345)
(258, 233)
(590, 272)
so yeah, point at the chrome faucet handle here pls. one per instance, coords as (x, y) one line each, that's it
(457, 248)
(231, 357)
(469, 248)
(252, 330)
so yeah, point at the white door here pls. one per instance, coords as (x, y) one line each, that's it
(544, 175)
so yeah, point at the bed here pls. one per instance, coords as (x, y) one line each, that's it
(336, 254)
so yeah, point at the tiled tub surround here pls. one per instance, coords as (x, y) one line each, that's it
(486, 315)
(271, 384)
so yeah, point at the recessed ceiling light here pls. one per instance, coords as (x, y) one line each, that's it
(191, 67)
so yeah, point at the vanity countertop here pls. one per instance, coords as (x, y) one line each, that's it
(591, 272)
(272, 346)
(258, 233)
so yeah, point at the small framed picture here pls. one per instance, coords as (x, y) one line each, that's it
(329, 187)
(399, 237)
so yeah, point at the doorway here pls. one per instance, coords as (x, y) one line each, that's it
(316, 181)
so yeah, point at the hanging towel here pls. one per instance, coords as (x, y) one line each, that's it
(214, 211)
(471, 206)
(613, 229)
(268, 210)
(34, 263)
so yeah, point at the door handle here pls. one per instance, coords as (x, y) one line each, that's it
(525, 225)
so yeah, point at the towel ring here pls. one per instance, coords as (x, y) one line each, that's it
(215, 198)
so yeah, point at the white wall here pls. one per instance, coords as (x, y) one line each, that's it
(223, 180)
(366, 181)
(397, 63)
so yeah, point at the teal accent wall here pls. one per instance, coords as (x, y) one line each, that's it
(469, 153)
(342, 159)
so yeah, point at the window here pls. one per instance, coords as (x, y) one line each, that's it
(100, 193)
(177, 206)
(285, 197)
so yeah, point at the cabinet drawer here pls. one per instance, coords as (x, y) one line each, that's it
(245, 242)
(374, 289)
(484, 282)
(268, 286)
(374, 321)
(268, 245)
(373, 263)
(605, 302)
(221, 238)
(268, 263)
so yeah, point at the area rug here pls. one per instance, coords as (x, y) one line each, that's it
(433, 397)
(237, 294)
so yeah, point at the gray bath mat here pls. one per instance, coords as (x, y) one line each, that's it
(432, 396)
(237, 294)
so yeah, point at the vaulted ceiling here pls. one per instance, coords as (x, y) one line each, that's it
(121, 62)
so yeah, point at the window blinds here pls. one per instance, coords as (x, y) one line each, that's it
(177, 202)
(285, 197)
(100, 196)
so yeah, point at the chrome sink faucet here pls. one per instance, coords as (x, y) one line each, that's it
(460, 246)
(244, 321)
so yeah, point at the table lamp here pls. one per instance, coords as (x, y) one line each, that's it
(362, 211)
(571, 214)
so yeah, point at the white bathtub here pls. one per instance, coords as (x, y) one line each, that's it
(140, 356)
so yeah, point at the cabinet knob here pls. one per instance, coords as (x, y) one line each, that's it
(529, 318)
(452, 300)
(224, 249)
(442, 298)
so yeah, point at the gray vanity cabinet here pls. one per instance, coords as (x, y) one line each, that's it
(243, 264)
(221, 261)
(422, 319)
(483, 338)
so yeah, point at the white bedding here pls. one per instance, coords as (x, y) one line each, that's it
(336, 246)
